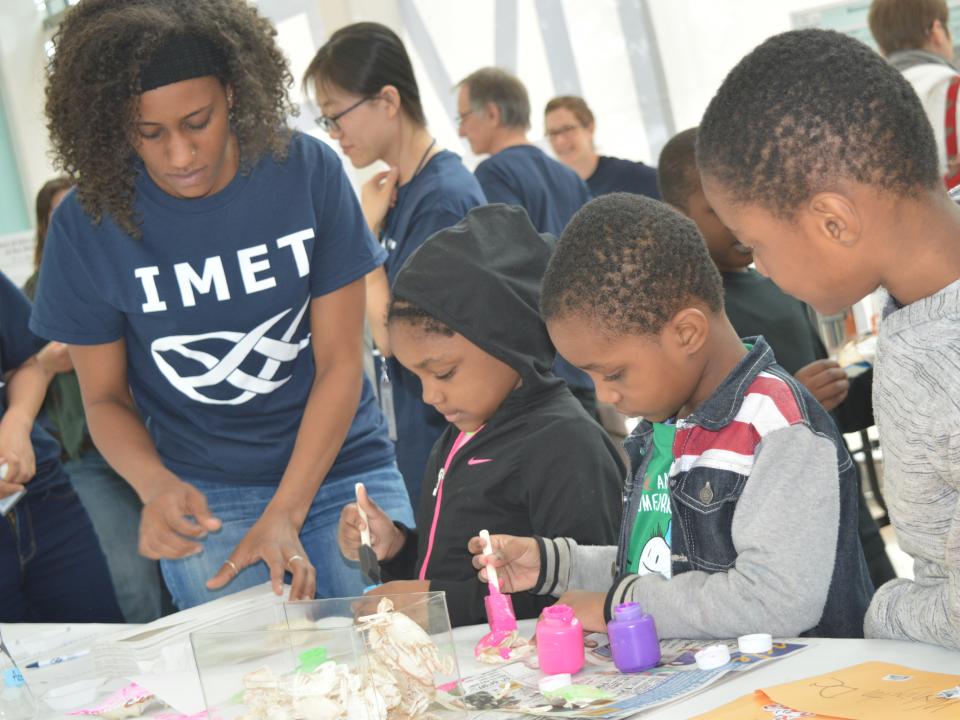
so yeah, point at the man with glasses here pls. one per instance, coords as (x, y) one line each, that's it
(570, 127)
(493, 113)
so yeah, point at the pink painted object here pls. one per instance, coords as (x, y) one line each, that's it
(126, 702)
(559, 641)
(500, 615)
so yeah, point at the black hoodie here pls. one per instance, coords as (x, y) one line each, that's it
(545, 467)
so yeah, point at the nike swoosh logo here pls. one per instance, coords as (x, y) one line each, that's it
(478, 461)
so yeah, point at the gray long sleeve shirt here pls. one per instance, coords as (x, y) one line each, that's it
(916, 399)
(785, 532)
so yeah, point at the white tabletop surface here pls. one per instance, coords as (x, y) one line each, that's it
(821, 655)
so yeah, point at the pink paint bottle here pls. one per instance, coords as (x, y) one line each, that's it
(559, 641)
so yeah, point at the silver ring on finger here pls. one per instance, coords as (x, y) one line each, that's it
(236, 570)
(292, 558)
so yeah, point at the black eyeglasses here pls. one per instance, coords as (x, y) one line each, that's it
(330, 124)
(562, 131)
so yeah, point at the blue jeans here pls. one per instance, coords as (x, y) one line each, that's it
(239, 506)
(114, 510)
(51, 565)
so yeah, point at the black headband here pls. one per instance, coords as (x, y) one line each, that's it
(181, 57)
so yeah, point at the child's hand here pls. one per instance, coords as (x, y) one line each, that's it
(826, 380)
(517, 560)
(386, 539)
(588, 607)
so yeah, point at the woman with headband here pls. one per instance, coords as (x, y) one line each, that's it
(208, 274)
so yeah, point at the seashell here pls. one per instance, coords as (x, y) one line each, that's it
(317, 708)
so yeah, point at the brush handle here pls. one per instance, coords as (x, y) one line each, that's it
(492, 580)
(365, 530)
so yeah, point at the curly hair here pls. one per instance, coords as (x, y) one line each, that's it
(401, 310)
(93, 88)
(809, 107)
(629, 264)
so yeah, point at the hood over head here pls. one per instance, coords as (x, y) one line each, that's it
(481, 278)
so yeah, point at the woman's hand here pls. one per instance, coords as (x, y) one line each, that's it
(16, 453)
(517, 560)
(377, 196)
(386, 539)
(275, 539)
(174, 516)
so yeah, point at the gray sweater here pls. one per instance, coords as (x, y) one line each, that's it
(785, 531)
(916, 399)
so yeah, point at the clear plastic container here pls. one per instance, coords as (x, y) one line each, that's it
(351, 658)
(16, 700)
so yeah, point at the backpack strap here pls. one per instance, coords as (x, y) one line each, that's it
(950, 127)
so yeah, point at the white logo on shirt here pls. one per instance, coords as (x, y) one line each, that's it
(226, 370)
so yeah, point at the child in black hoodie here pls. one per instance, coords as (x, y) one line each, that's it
(520, 455)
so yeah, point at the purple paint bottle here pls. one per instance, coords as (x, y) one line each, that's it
(633, 638)
(559, 641)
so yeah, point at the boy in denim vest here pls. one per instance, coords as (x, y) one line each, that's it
(740, 513)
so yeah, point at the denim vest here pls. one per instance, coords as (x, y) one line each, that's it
(703, 499)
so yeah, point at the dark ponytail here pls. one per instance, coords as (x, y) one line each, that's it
(361, 59)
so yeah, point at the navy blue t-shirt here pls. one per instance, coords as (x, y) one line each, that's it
(214, 305)
(619, 175)
(524, 175)
(438, 197)
(550, 192)
(17, 344)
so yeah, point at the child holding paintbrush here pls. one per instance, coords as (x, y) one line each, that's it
(520, 454)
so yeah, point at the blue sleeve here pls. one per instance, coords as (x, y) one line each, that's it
(17, 343)
(68, 306)
(495, 187)
(345, 249)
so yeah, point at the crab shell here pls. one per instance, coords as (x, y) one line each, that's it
(402, 645)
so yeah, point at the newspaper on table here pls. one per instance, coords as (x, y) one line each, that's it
(513, 688)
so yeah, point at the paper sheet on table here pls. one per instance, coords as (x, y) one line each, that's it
(758, 707)
(872, 691)
(180, 690)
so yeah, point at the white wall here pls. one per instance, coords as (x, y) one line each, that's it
(699, 41)
(22, 63)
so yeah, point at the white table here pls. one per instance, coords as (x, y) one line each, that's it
(821, 656)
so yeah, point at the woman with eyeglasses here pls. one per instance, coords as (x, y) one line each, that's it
(208, 276)
(366, 89)
(570, 126)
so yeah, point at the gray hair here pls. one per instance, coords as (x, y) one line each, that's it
(497, 86)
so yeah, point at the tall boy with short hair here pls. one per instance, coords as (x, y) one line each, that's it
(818, 155)
(740, 513)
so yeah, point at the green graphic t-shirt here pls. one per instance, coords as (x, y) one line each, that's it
(649, 550)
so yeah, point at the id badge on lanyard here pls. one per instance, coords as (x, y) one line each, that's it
(385, 388)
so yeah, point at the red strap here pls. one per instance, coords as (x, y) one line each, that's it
(950, 128)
